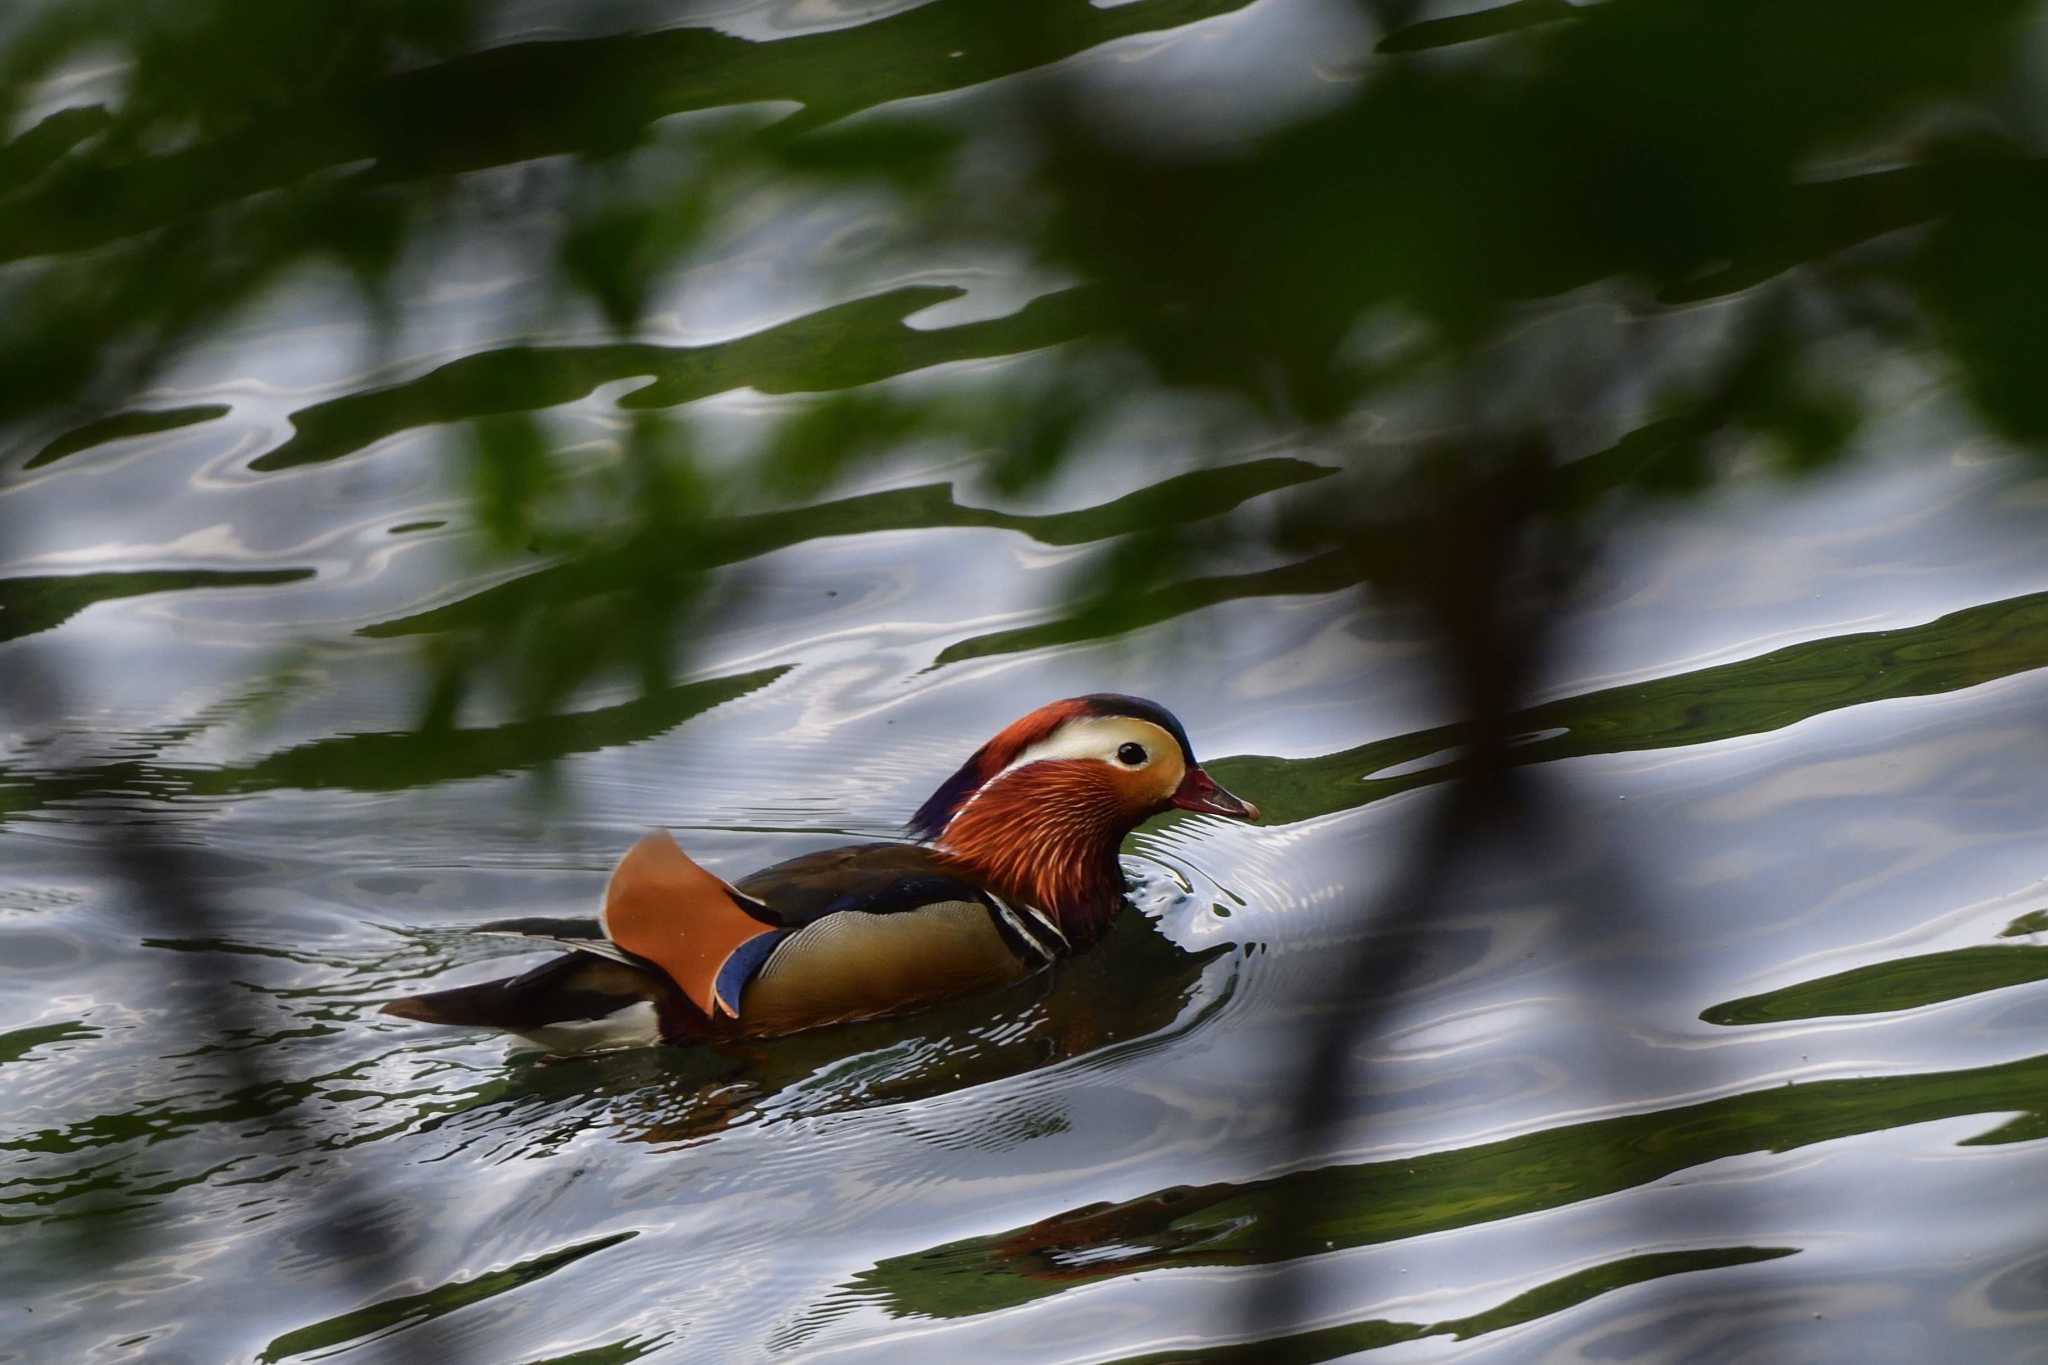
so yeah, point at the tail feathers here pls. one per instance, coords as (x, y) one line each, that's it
(574, 990)
(578, 935)
(544, 926)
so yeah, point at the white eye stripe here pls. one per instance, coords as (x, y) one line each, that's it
(1090, 737)
(1096, 737)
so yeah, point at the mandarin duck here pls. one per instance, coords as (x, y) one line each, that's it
(1014, 867)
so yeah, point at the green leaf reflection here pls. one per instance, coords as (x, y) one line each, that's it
(32, 604)
(1901, 984)
(379, 1320)
(1311, 1212)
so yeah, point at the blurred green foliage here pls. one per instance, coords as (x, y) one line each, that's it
(835, 349)
(1847, 191)
(1588, 253)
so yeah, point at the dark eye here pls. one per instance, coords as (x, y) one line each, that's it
(1133, 754)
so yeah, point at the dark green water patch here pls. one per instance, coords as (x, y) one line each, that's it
(1112, 616)
(1902, 984)
(18, 1043)
(141, 422)
(612, 1353)
(1569, 1291)
(1193, 496)
(1468, 28)
(1336, 1207)
(839, 347)
(397, 760)
(2029, 1127)
(39, 147)
(28, 605)
(377, 761)
(381, 1320)
(1824, 217)
(1963, 649)
(1754, 696)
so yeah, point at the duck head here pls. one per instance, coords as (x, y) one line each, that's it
(1039, 811)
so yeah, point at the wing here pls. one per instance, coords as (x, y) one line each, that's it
(839, 934)
(873, 879)
(890, 879)
(880, 928)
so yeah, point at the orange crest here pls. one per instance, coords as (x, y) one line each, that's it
(990, 759)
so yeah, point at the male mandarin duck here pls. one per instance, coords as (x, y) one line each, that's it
(1017, 868)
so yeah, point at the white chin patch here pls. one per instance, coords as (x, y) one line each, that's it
(637, 1025)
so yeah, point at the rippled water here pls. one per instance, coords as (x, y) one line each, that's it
(1752, 1065)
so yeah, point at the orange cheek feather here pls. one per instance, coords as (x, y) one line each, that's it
(1138, 792)
(1046, 833)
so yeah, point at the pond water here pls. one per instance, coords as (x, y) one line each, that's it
(1749, 1067)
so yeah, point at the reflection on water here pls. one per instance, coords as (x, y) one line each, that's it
(124, 425)
(1346, 1206)
(836, 348)
(1331, 1343)
(379, 1319)
(1592, 1128)
(1194, 495)
(31, 604)
(1900, 984)
(1085, 1131)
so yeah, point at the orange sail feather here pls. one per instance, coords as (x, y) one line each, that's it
(665, 908)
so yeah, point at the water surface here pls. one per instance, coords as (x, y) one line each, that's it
(1754, 1063)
